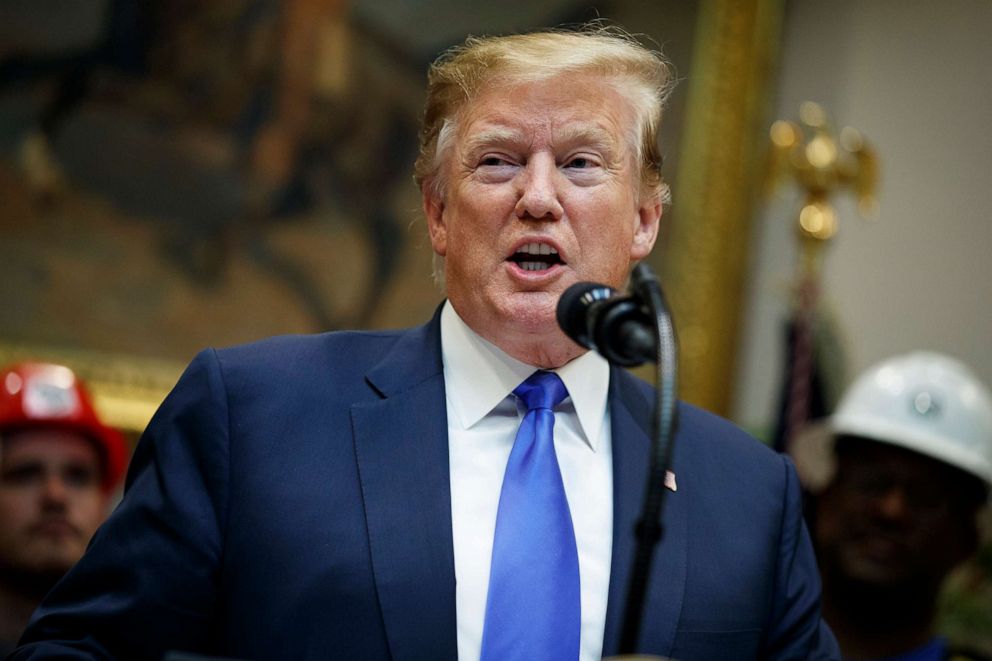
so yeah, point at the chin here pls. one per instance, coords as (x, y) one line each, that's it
(533, 312)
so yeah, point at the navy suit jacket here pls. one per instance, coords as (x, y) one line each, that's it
(290, 500)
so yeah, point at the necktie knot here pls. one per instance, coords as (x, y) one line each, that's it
(541, 390)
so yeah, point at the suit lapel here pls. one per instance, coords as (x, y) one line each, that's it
(401, 444)
(630, 412)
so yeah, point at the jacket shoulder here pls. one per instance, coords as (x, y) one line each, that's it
(292, 353)
(697, 427)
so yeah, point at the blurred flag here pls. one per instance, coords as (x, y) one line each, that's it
(813, 368)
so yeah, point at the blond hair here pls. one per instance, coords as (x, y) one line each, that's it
(641, 76)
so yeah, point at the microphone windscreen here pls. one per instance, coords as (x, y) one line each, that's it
(574, 309)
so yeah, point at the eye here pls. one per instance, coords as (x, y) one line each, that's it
(81, 477)
(583, 161)
(493, 160)
(495, 168)
(22, 475)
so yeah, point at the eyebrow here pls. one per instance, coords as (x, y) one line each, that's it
(595, 136)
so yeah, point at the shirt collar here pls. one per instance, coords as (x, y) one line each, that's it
(479, 375)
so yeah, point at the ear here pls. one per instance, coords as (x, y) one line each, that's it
(434, 213)
(646, 232)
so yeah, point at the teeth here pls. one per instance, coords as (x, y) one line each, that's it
(535, 248)
(533, 266)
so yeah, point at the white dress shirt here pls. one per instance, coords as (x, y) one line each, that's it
(483, 417)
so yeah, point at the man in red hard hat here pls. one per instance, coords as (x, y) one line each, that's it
(59, 465)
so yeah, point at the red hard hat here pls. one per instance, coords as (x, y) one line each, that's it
(45, 395)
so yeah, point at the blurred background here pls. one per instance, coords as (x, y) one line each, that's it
(189, 173)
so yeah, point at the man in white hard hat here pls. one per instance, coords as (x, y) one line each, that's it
(898, 476)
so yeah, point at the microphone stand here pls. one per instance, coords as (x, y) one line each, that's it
(649, 530)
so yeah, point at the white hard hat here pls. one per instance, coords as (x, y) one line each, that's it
(922, 401)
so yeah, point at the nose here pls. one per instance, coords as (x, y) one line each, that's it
(538, 190)
(893, 504)
(54, 492)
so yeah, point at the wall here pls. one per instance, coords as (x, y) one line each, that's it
(914, 78)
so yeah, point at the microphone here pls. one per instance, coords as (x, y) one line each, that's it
(628, 331)
(597, 317)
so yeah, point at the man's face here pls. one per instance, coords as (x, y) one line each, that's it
(892, 518)
(51, 501)
(543, 192)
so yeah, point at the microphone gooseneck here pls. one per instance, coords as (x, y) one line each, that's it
(627, 331)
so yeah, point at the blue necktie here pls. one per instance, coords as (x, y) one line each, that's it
(533, 610)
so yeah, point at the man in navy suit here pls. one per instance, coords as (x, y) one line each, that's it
(336, 496)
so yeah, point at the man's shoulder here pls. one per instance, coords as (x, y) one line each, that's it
(709, 443)
(703, 426)
(306, 349)
(719, 433)
(288, 362)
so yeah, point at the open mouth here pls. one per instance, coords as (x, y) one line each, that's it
(536, 257)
